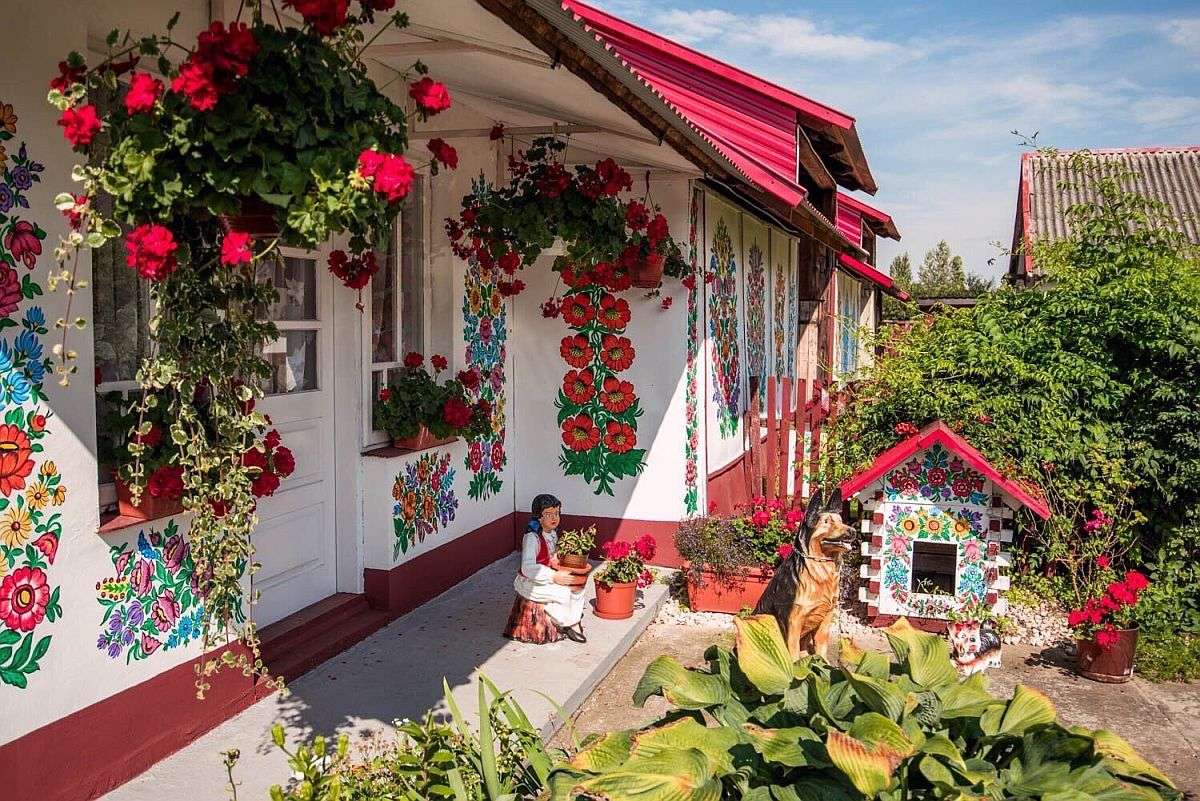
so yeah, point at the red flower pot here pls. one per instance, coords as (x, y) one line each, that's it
(648, 274)
(575, 560)
(421, 441)
(615, 601)
(730, 595)
(1113, 665)
(149, 508)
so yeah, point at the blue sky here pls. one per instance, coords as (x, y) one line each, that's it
(937, 87)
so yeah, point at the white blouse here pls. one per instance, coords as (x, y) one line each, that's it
(530, 569)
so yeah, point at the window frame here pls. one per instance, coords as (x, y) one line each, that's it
(318, 324)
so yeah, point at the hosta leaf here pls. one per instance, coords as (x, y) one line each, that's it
(814, 788)
(684, 734)
(879, 695)
(784, 746)
(762, 653)
(873, 728)
(687, 689)
(667, 776)
(935, 771)
(967, 698)
(868, 663)
(1028, 707)
(1123, 759)
(924, 656)
(605, 752)
(941, 745)
(869, 768)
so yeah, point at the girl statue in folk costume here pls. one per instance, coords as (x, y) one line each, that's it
(551, 598)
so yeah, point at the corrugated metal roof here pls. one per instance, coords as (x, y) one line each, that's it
(879, 222)
(1049, 187)
(849, 222)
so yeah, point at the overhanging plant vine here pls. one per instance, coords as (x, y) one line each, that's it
(610, 246)
(255, 136)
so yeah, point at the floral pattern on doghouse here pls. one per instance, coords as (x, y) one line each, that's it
(908, 524)
(151, 600)
(723, 328)
(485, 332)
(425, 500)
(31, 488)
(936, 476)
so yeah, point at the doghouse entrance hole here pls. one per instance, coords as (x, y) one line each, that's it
(934, 566)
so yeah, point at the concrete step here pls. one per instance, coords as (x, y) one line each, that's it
(300, 642)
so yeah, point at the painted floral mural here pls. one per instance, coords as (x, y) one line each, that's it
(425, 500)
(485, 331)
(31, 488)
(756, 311)
(778, 329)
(150, 601)
(691, 445)
(906, 525)
(598, 409)
(791, 327)
(937, 476)
(723, 328)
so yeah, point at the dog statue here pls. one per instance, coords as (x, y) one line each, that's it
(804, 591)
(975, 646)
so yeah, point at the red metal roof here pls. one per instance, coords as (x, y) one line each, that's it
(879, 222)
(752, 121)
(939, 433)
(849, 222)
(866, 271)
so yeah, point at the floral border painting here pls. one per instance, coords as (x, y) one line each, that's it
(937, 476)
(779, 324)
(425, 500)
(30, 529)
(151, 601)
(691, 446)
(723, 328)
(756, 310)
(908, 524)
(485, 331)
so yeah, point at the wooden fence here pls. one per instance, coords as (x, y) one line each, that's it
(784, 450)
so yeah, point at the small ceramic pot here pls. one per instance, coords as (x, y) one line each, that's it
(615, 601)
(577, 561)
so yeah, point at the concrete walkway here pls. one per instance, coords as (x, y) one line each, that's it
(397, 673)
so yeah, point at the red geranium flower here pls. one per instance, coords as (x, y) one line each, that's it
(144, 91)
(576, 350)
(439, 362)
(325, 16)
(760, 518)
(393, 178)
(613, 177)
(579, 433)
(1107, 637)
(23, 598)
(456, 413)
(619, 437)
(579, 386)
(469, 379)
(237, 248)
(166, 482)
(577, 310)
(285, 462)
(616, 352)
(195, 82)
(646, 547)
(385, 395)
(413, 360)
(80, 125)
(616, 395)
(68, 76)
(150, 249)
(636, 215)
(510, 262)
(443, 152)
(152, 438)
(784, 550)
(229, 52)
(550, 308)
(272, 439)
(253, 457)
(657, 230)
(264, 484)
(614, 312)
(431, 96)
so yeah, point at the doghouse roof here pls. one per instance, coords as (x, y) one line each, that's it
(936, 433)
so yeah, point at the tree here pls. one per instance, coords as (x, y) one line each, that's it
(901, 272)
(942, 274)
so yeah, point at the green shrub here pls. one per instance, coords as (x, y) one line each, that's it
(1169, 657)
(754, 725)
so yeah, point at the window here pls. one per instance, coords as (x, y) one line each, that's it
(934, 567)
(293, 355)
(395, 320)
(849, 311)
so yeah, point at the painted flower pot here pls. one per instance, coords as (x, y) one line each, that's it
(422, 440)
(256, 217)
(1112, 665)
(615, 601)
(648, 273)
(729, 595)
(578, 561)
(149, 508)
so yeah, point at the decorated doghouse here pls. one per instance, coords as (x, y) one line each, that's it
(939, 516)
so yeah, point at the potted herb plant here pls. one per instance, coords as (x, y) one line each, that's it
(624, 571)
(729, 560)
(1105, 626)
(148, 482)
(574, 546)
(418, 412)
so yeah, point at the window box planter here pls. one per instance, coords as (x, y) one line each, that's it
(422, 440)
(1113, 665)
(729, 595)
(149, 508)
(615, 601)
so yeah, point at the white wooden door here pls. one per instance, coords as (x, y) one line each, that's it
(295, 539)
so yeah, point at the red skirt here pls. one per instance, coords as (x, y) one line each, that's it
(528, 622)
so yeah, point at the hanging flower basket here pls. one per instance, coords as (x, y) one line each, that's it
(648, 273)
(149, 508)
(255, 217)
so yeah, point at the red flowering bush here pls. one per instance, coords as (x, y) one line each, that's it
(626, 561)
(80, 125)
(144, 91)
(416, 399)
(269, 462)
(760, 535)
(1105, 612)
(237, 248)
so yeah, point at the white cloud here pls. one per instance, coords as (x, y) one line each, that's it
(778, 34)
(1168, 112)
(1183, 32)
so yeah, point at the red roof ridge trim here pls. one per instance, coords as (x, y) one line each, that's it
(864, 270)
(938, 432)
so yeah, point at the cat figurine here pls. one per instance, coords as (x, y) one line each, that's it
(974, 646)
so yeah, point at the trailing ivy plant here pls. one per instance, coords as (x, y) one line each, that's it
(255, 136)
(754, 725)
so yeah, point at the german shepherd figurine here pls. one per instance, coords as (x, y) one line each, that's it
(803, 593)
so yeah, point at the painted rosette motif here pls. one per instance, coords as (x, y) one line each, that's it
(906, 525)
(756, 311)
(31, 488)
(937, 476)
(150, 601)
(723, 328)
(597, 408)
(691, 446)
(425, 500)
(485, 331)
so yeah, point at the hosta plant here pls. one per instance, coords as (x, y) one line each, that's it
(756, 725)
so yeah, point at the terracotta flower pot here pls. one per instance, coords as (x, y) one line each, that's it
(615, 601)
(421, 441)
(573, 560)
(149, 508)
(1112, 665)
(648, 274)
(256, 217)
(713, 594)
